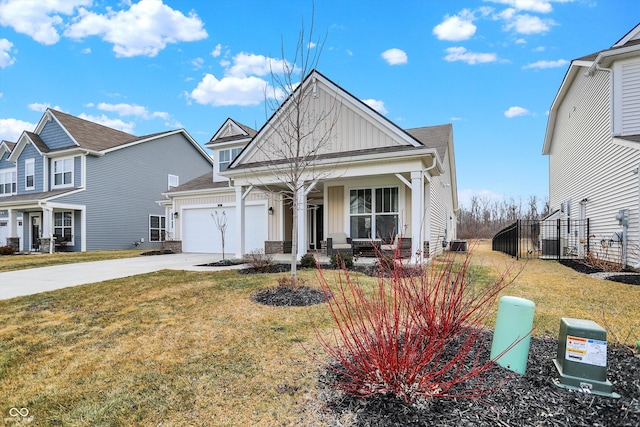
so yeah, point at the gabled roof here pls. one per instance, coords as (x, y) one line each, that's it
(627, 46)
(93, 137)
(316, 79)
(90, 135)
(231, 131)
(6, 147)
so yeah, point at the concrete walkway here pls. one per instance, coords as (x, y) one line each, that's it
(35, 280)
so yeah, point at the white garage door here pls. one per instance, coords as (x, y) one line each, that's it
(4, 231)
(200, 233)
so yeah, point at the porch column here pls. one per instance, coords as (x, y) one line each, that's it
(417, 216)
(240, 228)
(47, 229)
(302, 222)
(13, 223)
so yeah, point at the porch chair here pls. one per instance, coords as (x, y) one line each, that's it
(400, 244)
(338, 243)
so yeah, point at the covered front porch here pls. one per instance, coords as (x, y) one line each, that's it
(45, 227)
(375, 213)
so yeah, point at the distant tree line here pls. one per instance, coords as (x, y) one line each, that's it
(485, 217)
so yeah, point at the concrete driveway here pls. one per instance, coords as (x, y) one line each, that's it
(36, 280)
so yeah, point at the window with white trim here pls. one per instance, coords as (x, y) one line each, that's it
(173, 181)
(29, 174)
(225, 157)
(8, 182)
(63, 172)
(157, 228)
(63, 226)
(374, 209)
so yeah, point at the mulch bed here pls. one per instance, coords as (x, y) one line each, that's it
(531, 399)
(627, 277)
(289, 296)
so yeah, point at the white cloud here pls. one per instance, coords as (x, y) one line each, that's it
(376, 105)
(143, 30)
(38, 18)
(11, 129)
(197, 63)
(538, 6)
(86, 50)
(394, 56)
(112, 123)
(125, 110)
(5, 53)
(246, 64)
(216, 50)
(41, 107)
(230, 90)
(547, 64)
(526, 24)
(516, 111)
(457, 27)
(461, 54)
(311, 45)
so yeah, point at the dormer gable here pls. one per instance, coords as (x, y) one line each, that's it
(231, 132)
(25, 139)
(5, 149)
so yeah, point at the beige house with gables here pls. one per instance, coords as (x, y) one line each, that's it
(362, 177)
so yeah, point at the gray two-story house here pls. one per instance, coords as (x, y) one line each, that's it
(76, 185)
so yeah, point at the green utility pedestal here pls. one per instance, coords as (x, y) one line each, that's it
(513, 325)
(582, 357)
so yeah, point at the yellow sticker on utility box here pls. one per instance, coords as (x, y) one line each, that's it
(586, 350)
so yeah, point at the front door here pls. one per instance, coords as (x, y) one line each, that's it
(36, 226)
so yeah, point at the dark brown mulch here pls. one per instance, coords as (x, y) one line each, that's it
(627, 277)
(531, 399)
(289, 296)
(158, 252)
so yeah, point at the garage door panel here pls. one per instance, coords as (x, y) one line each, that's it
(200, 233)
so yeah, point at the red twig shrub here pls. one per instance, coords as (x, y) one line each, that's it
(416, 336)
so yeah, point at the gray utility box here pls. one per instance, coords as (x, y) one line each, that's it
(582, 357)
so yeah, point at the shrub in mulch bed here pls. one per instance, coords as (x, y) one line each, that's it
(531, 399)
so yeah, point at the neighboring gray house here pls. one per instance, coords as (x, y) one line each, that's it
(593, 144)
(76, 185)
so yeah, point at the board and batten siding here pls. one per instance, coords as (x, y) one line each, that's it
(586, 163)
(123, 186)
(351, 128)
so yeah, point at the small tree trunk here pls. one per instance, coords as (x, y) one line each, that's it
(294, 238)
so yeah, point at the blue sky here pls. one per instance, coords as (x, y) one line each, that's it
(491, 68)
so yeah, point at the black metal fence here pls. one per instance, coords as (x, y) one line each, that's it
(547, 238)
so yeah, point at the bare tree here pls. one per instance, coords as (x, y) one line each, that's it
(301, 130)
(221, 224)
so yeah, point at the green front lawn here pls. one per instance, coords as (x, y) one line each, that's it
(21, 262)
